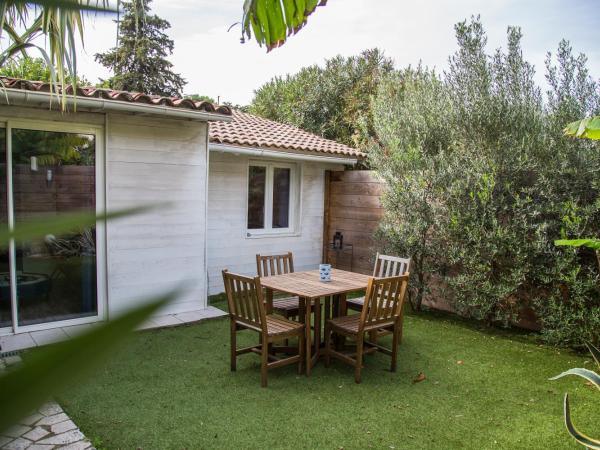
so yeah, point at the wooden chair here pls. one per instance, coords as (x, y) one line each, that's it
(267, 265)
(382, 309)
(385, 266)
(247, 311)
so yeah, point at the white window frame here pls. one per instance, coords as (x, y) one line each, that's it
(9, 123)
(294, 207)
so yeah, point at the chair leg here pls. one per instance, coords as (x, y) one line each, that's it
(343, 306)
(317, 324)
(264, 353)
(397, 331)
(327, 348)
(373, 336)
(401, 326)
(286, 342)
(301, 350)
(233, 329)
(360, 338)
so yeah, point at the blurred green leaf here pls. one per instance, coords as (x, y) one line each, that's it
(588, 128)
(590, 243)
(48, 371)
(583, 439)
(43, 226)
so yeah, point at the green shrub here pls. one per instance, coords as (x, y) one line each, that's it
(482, 181)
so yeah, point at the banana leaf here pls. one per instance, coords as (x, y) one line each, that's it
(588, 128)
(272, 21)
(590, 243)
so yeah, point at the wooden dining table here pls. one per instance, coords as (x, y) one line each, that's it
(310, 289)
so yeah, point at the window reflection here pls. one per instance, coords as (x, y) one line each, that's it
(281, 197)
(54, 173)
(257, 180)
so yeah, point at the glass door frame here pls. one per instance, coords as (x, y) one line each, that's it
(101, 269)
(9, 329)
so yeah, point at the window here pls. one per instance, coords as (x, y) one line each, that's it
(272, 190)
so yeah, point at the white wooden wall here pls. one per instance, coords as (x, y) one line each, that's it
(151, 161)
(228, 246)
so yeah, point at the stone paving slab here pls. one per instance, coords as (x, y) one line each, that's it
(48, 428)
(32, 339)
(45, 337)
(50, 432)
(16, 342)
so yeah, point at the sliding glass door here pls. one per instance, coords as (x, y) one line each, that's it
(5, 296)
(53, 278)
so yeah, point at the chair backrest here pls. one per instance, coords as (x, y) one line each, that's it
(384, 300)
(267, 265)
(245, 299)
(390, 266)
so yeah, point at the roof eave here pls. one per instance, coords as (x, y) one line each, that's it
(46, 99)
(281, 154)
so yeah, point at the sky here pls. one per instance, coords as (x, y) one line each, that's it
(215, 63)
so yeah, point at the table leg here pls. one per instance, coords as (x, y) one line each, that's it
(339, 307)
(308, 346)
(343, 306)
(336, 305)
(317, 326)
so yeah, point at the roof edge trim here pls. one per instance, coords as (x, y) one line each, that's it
(46, 99)
(255, 151)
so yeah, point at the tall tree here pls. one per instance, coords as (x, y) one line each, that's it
(139, 62)
(332, 101)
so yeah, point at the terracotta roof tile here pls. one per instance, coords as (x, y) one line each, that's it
(252, 131)
(123, 96)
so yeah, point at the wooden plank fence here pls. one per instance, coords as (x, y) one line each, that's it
(352, 207)
(72, 188)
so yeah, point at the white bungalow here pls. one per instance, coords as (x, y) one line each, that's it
(247, 186)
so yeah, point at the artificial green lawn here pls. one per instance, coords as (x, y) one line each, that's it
(172, 389)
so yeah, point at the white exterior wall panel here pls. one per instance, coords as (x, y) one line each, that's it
(161, 162)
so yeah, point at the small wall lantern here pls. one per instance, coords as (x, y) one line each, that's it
(33, 163)
(338, 240)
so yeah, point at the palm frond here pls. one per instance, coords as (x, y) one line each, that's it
(59, 21)
(73, 5)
